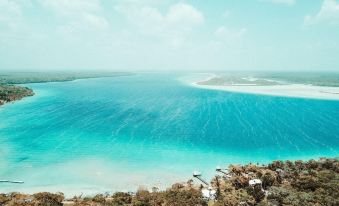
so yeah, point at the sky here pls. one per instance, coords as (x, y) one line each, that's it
(169, 35)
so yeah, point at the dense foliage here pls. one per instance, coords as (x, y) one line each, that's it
(9, 93)
(40, 77)
(283, 183)
(279, 78)
(330, 79)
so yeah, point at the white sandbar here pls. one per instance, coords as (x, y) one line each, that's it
(288, 90)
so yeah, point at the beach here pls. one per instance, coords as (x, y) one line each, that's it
(286, 90)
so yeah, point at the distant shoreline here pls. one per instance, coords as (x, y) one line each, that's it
(283, 90)
(12, 91)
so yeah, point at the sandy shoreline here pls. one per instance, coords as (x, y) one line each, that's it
(288, 90)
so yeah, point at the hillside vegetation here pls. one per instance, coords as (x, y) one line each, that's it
(282, 183)
(9, 93)
(41, 77)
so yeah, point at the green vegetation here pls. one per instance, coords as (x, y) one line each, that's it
(9, 93)
(282, 183)
(237, 80)
(274, 78)
(315, 78)
(40, 77)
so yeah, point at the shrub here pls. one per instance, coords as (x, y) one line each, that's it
(121, 198)
(48, 199)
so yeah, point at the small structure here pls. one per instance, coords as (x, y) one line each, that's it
(198, 176)
(281, 172)
(224, 171)
(68, 203)
(155, 189)
(10, 181)
(219, 169)
(255, 182)
(209, 193)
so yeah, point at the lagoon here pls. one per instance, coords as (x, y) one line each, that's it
(149, 129)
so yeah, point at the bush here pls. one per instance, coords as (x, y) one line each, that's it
(183, 198)
(306, 183)
(121, 198)
(268, 179)
(278, 194)
(48, 199)
(99, 198)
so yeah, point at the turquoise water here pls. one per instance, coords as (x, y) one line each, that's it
(119, 133)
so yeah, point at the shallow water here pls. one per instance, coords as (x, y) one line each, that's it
(120, 133)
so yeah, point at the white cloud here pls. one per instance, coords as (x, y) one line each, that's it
(178, 15)
(144, 17)
(227, 34)
(226, 14)
(9, 7)
(184, 14)
(329, 13)
(68, 6)
(172, 26)
(286, 2)
(81, 13)
(10, 13)
(96, 21)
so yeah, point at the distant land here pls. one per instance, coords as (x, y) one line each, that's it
(41, 77)
(303, 85)
(326, 79)
(10, 93)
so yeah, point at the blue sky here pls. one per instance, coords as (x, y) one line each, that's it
(167, 35)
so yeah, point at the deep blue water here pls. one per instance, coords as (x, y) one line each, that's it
(148, 129)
